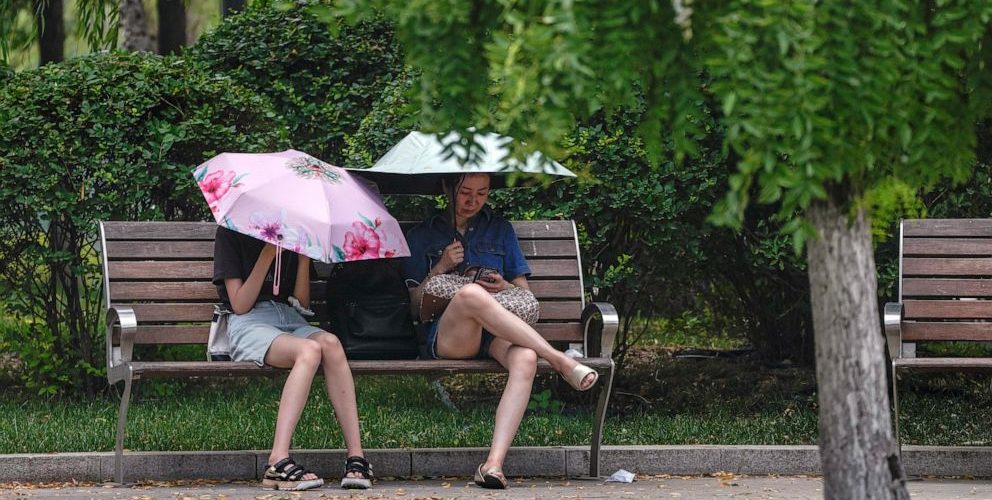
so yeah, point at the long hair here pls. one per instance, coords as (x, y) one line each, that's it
(450, 184)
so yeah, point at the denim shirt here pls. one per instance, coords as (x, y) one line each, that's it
(489, 241)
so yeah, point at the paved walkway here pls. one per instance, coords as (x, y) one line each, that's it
(720, 486)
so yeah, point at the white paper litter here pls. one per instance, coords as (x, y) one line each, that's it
(621, 476)
(573, 353)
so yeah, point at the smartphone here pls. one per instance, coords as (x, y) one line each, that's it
(481, 273)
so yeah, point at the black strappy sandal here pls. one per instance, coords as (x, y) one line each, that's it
(361, 466)
(288, 475)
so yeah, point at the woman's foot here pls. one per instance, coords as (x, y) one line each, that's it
(288, 475)
(580, 377)
(490, 478)
(357, 474)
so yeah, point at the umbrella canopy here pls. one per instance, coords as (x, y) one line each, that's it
(299, 203)
(416, 164)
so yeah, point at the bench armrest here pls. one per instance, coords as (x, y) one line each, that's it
(600, 322)
(892, 318)
(128, 321)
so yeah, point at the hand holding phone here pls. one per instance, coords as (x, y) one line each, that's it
(481, 273)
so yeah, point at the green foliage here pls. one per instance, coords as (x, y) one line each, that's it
(323, 83)
(818, 100)
(110, 136)
(543, 402)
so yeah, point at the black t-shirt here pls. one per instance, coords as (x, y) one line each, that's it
(235, 255)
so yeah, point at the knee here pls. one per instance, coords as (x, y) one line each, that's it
(331, 346)
(523, 361)
(473, 296)
(309, 353)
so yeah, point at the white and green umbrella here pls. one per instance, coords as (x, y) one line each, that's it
(416, 164)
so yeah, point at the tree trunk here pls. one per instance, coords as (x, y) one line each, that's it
(171, 26)
(52, 29)
(134, 26)
(230, 7)
(857, 451)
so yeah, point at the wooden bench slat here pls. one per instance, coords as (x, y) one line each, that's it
(158, 270)
(151, 369)
(947, 246)
(161, 250)
(947, 227)
(184, 291)
(938, 287)
(203, 270)
(171, 312)
(549, 248)
(947, 309)
(123, 292)
(544, 229)
(946, 331)
(943, 364)
(186, 250)
(159, 230)
(946, 267)
(124, 230)
(197, 333)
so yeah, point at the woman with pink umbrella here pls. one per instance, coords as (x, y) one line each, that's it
(266, 203)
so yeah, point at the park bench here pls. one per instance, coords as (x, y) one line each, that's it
(157, 282)
(945, 283)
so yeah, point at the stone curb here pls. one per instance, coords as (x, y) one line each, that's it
(568, 461)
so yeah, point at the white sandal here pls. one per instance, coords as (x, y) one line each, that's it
(578, 374)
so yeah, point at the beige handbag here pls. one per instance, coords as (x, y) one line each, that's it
(438, 291)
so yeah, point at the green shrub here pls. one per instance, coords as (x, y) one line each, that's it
(108, 136)
(5, 73)
(322, 83)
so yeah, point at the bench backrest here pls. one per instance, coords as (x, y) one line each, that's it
(945, 279)
(163, 271)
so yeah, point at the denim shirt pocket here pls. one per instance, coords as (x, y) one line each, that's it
(491, 254)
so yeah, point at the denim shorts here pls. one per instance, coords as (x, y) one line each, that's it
(431, 335)
(252, 333)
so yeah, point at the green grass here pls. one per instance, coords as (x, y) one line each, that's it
(691, 330)
(697, 402)
(657, 399)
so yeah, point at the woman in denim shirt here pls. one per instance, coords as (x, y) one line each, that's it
(474, 325)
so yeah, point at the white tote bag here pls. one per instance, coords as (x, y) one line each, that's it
(219, 344)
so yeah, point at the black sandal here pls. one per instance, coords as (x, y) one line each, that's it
(362, 467)
(287, 475)
(492, 479)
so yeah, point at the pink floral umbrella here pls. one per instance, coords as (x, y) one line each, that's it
(299, 203)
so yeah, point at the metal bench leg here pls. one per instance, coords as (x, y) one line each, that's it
(121, 422)
(895, 408)
(606, 385)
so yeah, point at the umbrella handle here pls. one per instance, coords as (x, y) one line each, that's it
(278, 272)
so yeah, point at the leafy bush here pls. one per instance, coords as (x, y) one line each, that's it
(108, 136)
(322, 83)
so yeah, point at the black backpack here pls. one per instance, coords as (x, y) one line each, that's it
(368, 308)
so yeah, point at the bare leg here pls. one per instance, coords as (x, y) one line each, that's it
(521, 362)
(472, 309)
(302, 356)
(341, 391)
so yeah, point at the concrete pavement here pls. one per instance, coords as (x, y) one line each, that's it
(685, 488)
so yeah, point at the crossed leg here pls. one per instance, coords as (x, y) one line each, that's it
(472, 309)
